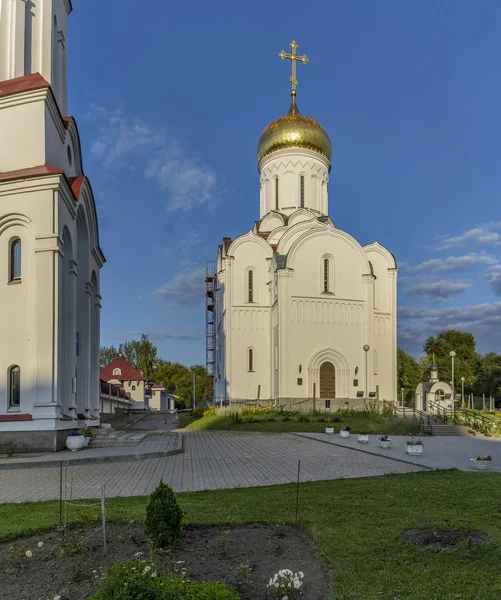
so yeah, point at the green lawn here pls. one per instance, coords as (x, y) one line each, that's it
(358, 422)
(357, 524)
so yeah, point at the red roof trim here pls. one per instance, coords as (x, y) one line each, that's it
(39, 171)
(15, 417)
(76, 184)
(27, 83)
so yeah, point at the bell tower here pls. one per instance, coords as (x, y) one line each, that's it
(33, 40)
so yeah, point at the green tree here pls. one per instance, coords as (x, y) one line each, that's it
(106, 355)
(178, 380)
(489, 376)
(142, 354)
(466, 361)
(409, 375)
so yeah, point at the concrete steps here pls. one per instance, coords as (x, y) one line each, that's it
(446, 429)
(104, 438)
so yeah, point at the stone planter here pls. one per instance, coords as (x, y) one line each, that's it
(481, 465)
(344, 434)
(87, 441)
(363, 438)
(75, 442)
(329, 430)
(415, 450)
(385, 444)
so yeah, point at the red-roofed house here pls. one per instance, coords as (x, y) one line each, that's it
(50, 258)
(120, 372)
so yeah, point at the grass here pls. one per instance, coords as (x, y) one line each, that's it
(357, 523)
(358, 422)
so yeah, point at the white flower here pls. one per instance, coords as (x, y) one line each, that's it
(40, 544)
(138, 554)
(301, 574)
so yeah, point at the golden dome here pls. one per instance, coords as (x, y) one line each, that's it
(294, 131)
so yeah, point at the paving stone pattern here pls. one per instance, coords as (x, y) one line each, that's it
(439, 452)
(211, 460)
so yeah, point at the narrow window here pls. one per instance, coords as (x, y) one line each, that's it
(251, 287)
(301, 191)
(15, 260)
(251, 360)
(14, 382)
(276, 193)
(326, 275)
(327, 404)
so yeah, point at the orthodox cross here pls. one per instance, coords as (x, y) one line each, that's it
(293, 57)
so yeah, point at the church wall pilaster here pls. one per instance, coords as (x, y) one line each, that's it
(392, 274)
(228, 303)
(284, 276)
(368, 281)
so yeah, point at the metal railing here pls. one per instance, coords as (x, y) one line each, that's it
(419, 417)
(463, 416)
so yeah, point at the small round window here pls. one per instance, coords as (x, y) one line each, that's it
(70, 157)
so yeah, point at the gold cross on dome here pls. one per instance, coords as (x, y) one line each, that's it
(293, 57)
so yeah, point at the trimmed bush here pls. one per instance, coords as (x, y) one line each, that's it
(163, 516)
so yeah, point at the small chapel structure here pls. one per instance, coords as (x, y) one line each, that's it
(304, 314)
(50, 256)
(434, 395)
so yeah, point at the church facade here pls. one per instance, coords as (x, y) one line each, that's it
(50, 258)
(304, 314)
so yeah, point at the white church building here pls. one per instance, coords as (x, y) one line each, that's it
(50, 257)
(304, 314)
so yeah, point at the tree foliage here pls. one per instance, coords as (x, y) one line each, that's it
(106, 355)
(466, 362)
(163, 516)
(409, 375)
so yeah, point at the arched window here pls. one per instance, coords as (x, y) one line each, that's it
(14, 386)
(326, 274)
(301, 191)
(250, 287)
(439, 395)
(117, 371)
(276, 193)
(250, 360)
(15, 260)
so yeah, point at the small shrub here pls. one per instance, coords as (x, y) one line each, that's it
(302, 418)
(139, 580)
(286, 419)
(321, 420)
(11, 448)
(271, 420)
(163, 516)
(336, 420)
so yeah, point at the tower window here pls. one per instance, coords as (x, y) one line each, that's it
(276, 193)
(15, 260)
(251, 287)
(301, 191)
(117, 371)
(14, 385)
(251, 360)
(326, 275)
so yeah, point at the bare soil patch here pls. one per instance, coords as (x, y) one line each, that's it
(245, 558)
(443, 539)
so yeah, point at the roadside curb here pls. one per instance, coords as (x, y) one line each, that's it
(400, 460)
(96, 459)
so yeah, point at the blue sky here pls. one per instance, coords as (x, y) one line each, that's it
(171, 101)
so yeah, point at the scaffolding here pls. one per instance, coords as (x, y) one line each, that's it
(210, 328)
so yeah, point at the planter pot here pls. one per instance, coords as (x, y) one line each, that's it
(87, 441)
(344, 434)
(75, 442)
(385, 444)
(329, 430)
(414, 450)
(481, 465)
(363, 439)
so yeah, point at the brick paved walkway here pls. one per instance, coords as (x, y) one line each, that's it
(211, 460)
(439, 451)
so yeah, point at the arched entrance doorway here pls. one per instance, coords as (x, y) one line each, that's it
(327, 380)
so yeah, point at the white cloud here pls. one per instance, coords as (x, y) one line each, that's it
(185, 290)
(453, 264)
(480, 235)
(440, 290)
(126, 143)
(154, 335)
(494, 278)
(415, 324)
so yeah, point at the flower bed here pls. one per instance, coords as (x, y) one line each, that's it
(244, 558)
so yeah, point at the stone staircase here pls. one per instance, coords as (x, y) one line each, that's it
(104, 438)
(439, 428)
